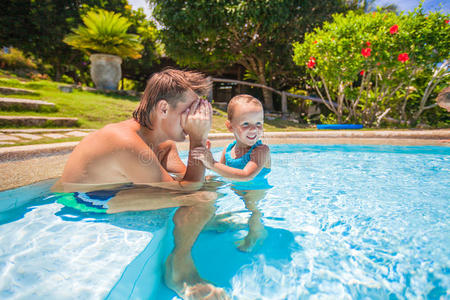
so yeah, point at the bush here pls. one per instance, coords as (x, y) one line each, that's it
(15, 60)
(378, 65)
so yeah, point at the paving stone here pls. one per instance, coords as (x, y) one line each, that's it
(5, 137)
(28, 136)
(15, 91)
(18, 104)
(77, 133)
(55, 135)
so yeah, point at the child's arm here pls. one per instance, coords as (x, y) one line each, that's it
(259, 157)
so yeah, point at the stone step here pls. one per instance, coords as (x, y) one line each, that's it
(17, 104)
(13, 121)
(15, 91)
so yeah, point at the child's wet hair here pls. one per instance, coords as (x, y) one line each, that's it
(241, 99)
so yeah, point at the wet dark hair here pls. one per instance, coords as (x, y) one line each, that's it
(169, 84)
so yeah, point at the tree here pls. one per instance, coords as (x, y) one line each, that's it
(256, 34)
(139, 70)
(38, 27)
(378, 65)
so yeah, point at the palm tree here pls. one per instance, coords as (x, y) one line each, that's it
(105, 32)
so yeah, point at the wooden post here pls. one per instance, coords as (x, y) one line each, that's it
(284, 103)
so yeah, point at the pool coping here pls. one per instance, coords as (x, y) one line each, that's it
(22, 165)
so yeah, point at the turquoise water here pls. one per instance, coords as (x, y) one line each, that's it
(342, 222)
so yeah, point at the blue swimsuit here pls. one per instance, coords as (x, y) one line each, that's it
(259, 182)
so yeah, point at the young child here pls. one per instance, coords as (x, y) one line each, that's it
(246, 161)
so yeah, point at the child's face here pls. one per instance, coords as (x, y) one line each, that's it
(247, 123)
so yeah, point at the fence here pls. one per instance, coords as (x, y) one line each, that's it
(283, 94)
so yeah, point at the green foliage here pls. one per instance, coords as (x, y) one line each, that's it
(15, 59)
(256, 34)
(105, 32)
(67, 79)
(139, 70)
(38, 28)
(371, 87)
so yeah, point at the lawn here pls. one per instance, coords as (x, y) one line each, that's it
(95, 110)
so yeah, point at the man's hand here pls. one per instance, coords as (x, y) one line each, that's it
(196, 121)
(204, 155)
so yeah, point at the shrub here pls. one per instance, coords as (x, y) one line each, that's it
(105, 32)
(15, 60)
(373, 66)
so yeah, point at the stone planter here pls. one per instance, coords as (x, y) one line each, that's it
(106, 71)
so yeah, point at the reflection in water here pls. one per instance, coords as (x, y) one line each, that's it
(180, 272)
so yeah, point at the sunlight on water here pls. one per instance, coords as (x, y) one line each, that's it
(342, 222)
(367, 225)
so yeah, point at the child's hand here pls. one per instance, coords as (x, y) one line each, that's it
(204, 155)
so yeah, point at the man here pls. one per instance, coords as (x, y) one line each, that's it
(141, 151)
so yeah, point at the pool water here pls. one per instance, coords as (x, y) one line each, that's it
(342, 222)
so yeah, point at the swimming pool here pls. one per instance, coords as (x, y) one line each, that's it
(342, 222)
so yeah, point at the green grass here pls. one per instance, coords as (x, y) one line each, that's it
(44, 141)
(95, 110)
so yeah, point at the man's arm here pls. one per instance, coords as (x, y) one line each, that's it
(196, 123)
(142, 166)
(172, 161)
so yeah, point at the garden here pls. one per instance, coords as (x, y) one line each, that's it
(379, 67)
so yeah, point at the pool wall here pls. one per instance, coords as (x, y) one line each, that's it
(14, 198)
(143, 277)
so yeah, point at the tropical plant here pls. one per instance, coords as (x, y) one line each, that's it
(378, 65)
(255, 34)
(105, 32)
(38, 28)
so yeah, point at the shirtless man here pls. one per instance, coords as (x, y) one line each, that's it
(142, 151)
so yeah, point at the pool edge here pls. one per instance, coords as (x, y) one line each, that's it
(23, 165)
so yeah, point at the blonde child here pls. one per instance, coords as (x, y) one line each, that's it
(246, 161)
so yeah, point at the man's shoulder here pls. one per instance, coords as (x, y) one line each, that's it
(120, 135)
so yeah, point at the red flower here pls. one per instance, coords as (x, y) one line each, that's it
(378, 64)
(394, 29)
(446, 21)
(368, 44)
(366, 52)
(361, 73)
(403, 57)
(311, 62)
(315, 42)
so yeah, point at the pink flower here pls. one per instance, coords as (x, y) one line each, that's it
(366, 52)
(394, 29)
(403, 57)
(311, 63)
